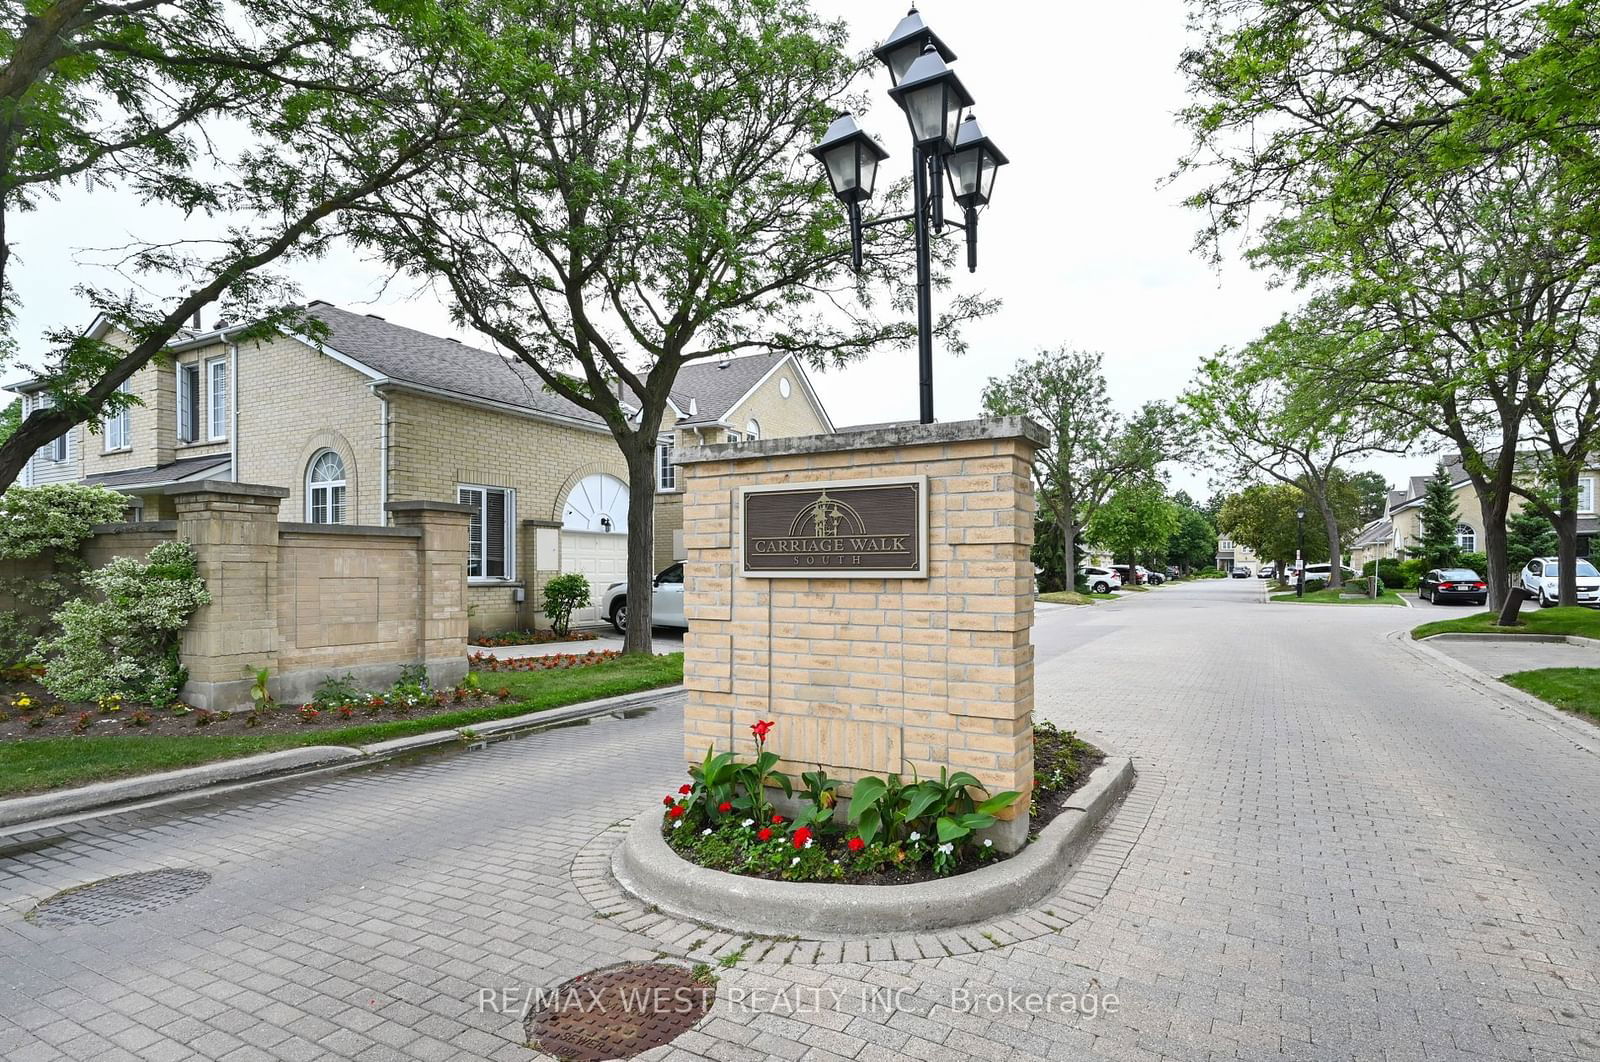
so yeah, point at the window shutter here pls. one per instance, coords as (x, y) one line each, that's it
(494, 526)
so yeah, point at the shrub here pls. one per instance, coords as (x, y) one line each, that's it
(561, 595)
(124, 641)
(50, 524)
(1313, 585)
(1478, 562)
(333, 692)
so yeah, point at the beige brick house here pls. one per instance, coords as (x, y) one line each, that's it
(373, 412)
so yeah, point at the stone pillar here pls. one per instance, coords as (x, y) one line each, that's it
(234, 530)
(877, 673)
(442, 580)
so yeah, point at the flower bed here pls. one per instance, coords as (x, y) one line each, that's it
(889, 831)
(28, 710)
(555, 662)
(500, 639)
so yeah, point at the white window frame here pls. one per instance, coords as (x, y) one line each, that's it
(734, 436)
(1466, 543)
(216, 407)
(1586, 494)
(116, 431)
(313, 488)
(752, 430)
(477, 551)
(56, 449)
(666, 471)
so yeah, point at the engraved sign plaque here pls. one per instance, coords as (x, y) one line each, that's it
(864, 528)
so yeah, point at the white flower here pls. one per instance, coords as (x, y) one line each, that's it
(947, 848)
(915, 836)
(748, 823)
(678, 825)
(795, 861)
(988, 844)
(706, 832)
(808, 842)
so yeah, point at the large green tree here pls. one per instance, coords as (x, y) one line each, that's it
(1263, 517)
(1193, 544)
(1262, 412)
(1372, 490)
(643, 199)
(1430, 170)
(261, 121)
(1093, 449)
(1135, 523)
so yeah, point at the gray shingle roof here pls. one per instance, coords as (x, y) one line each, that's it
(716, 387)
(409, 356)
(183, 468)
(1373, 533)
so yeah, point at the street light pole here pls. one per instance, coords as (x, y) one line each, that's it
(943, 145)
(924, 287)
(1300, 553)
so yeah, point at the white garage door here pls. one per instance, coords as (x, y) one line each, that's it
(594, 537)
(600, 558)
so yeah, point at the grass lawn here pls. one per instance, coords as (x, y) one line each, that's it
(1071, 597)
(1574, 689)
(52, 763)
(1335, 597)
(1584, 622)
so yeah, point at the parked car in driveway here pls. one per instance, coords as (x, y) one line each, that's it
(1241, 572)
(1153, 578)
(1100, 580)
(666, 601)
(1130, 576)
(1452, 584)
(1266, 571)
(1319, 571)
(1541, 577)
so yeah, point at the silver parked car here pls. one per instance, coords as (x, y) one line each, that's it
(666, 601)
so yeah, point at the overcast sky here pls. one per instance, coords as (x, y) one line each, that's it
(1082, 243)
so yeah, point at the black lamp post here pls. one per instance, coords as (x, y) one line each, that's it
(933, 99)
(1300, 553)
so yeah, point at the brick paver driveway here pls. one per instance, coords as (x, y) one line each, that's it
(1338, 852)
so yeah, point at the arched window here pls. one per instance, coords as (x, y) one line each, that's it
(1466, 539)
(325, 489)
(753, 429)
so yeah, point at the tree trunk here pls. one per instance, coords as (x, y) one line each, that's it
(1566, 524)
(1330, 524)
(641, 546)
(1069, 531)
(1494, 548)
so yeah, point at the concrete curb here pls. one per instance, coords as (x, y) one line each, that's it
(1583, 734)
(272, 766)
(647, 867)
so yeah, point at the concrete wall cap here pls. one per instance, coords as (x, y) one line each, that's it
(349, 529)
(147, 527)
(427, 506)
(223, 486)
(873, 439)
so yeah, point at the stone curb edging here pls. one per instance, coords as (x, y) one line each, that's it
(647, 868)
(27, 810)
(1583, 734)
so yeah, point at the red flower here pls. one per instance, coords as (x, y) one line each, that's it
(724, 807)
(764, 834)
(801, 836)
(777, 820)
(857, 844)
(667, 801)
(676, 812)
(685, 789)
(761, 729)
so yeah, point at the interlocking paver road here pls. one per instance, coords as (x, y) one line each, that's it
(1342, 852)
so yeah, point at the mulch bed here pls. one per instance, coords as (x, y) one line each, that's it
(556, 662)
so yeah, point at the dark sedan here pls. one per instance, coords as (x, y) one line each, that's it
(1453, 584)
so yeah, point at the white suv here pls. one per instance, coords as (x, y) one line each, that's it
(1540, 578)
(1100, 580)
(666, 602)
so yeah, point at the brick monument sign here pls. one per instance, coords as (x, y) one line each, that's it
(872, 593)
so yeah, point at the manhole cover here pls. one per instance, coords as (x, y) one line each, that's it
(619, 1012)
(113, 898)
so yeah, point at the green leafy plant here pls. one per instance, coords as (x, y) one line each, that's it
(122, 639)
(332, 692)
(260, 695)
(42, 533)
(562, 595)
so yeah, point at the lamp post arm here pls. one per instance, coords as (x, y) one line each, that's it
(875, 222)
